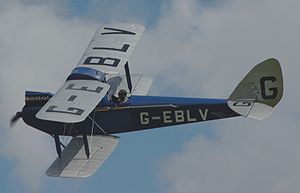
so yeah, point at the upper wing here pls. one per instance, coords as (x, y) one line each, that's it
(111, 47)
(73, 162)
(74, 101)
(141, 84)
(108, 51)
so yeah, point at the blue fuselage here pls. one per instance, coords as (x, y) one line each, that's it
(137, 113)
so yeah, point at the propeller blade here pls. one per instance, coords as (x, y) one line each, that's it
(15, 118)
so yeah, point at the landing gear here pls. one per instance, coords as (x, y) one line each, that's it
(86, 146)
(57, 145)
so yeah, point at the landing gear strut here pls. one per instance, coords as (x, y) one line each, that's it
(57, 145)
(87, 149)
(86, 146)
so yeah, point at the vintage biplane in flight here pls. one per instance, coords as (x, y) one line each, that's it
(101, 98)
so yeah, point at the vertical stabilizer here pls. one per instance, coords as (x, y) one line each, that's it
(258, 93)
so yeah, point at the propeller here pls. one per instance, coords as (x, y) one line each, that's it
(15, 118)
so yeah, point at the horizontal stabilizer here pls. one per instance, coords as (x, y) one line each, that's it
(259, 92)
(251, 109)
(74, 163)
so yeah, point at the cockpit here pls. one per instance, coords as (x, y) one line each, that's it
(114, 94)
(83, 73)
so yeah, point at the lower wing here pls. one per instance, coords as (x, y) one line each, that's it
(73, 162)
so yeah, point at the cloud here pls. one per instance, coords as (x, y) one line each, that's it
(37, 51)
(40, 43)
(215, 47)
(246, 157)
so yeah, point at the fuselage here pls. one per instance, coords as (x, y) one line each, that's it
(135, 114)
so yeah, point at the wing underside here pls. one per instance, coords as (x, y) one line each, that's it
(73, 162)
(74, 101)
(111, 47)
(107, 53)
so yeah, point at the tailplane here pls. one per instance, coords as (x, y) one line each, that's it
(259, 92)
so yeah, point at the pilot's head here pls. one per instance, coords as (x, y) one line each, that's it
(122, 94)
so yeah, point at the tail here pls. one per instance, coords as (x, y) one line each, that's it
(259, 92)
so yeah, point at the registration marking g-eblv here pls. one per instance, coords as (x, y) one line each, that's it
(177, 116)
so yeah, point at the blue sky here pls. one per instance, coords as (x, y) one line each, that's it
(192, 48)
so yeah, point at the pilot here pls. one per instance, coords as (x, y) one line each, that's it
(122, 96)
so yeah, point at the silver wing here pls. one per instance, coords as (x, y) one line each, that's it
(140, 84)
(108, 52)
(111, 47)
(73, 162)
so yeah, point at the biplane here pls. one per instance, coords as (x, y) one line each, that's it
(101, 98)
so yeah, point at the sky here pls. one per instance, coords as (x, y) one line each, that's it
(195, 48)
